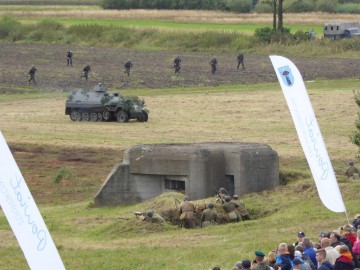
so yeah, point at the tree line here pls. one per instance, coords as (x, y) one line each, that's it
(239, 6)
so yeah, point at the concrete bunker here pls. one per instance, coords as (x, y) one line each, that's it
(196, 169)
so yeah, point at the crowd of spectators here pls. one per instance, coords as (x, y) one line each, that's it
(336, 250)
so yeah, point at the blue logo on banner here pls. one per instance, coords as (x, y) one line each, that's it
(286, 75)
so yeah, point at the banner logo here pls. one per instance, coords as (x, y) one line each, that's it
(286, 75)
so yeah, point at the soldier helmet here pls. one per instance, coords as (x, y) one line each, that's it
(222, 190)
(351, 163)
(236, 197)
(150, 213)
(227, 199)
(186, 198)
(210, 205)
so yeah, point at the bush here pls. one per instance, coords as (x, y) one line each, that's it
(264, 34)
(46, 30)
(8, 25)
(301, 36)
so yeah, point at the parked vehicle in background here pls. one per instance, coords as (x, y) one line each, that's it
(337, 30)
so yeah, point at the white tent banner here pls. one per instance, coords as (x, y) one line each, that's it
(23, 215)
(309, 133)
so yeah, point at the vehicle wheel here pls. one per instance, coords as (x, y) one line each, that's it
(99, 117)
(144, 117)
(122, 117)
(74, 115)
(93, 117)
(85, 116)
(106, 115)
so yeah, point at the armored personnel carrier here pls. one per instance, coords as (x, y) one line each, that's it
(98, 105)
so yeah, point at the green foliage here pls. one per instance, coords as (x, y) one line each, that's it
(302, 6)
(63, 173)
(47, 30)
(8, 25)
(300, 36)
(240, 6)
(263, 7)
(326, 6)
(351, 8)
(264, 34)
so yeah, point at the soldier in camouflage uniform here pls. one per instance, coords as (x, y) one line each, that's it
(230, 207)
(31, 73)
(128, 66)
(352, 170)
(69, 56)
(186, 212)
(240, 60)
(177, 62)
(86, 71)
(209, 216)
(242, 210)
(153, 217)
(221, 195)
(213, 64)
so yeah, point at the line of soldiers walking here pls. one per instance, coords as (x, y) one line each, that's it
(129, 65)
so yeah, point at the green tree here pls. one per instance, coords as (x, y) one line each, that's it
(278, 11)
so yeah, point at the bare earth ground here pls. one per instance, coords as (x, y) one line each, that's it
(152, 69)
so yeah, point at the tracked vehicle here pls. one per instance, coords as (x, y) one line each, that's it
(99, 105)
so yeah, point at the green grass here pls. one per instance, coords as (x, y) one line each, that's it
(248, 29)
(95, 238)
(27, 8)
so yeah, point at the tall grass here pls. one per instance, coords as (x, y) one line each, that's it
(51, 31)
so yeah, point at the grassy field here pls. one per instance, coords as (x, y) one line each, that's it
(65, 162)
(253, 113)
(184, 20)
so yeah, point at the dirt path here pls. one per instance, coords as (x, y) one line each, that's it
(152, 69)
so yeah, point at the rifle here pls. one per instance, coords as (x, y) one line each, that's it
(123, 218)
(217, 193)
(227, 193)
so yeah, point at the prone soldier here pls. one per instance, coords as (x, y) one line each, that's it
(149, 216)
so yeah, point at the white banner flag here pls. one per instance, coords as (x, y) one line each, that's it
(24, 217)
(309, 133)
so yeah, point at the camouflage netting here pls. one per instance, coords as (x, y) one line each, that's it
(167, 205)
